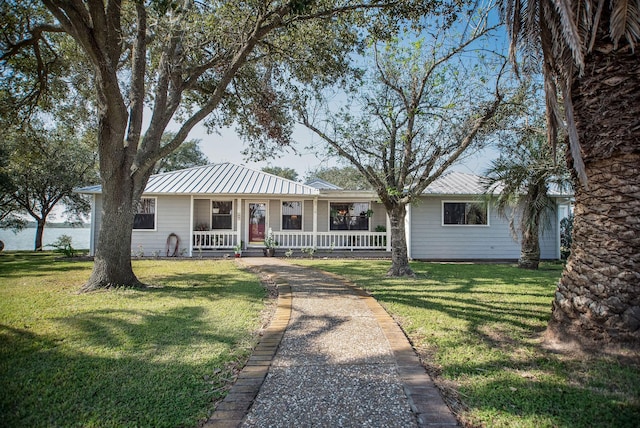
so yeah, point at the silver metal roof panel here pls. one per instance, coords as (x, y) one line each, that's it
(223, 178)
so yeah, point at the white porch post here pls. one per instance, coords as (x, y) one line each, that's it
(407, 230)
(315, 222)
(388, 231)
(92, 230)
(239, 220)
(191, 228)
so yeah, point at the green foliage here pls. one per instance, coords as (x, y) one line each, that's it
(477, 328)
(44, 168)
(566, 239)
(346, 177)
(520, 181)
(63, 245)
(309, 251)
(9, 209)
(420, 106)
(288, 173)
(419, 109)
(156, 357)
(186, 156)
(269, 241)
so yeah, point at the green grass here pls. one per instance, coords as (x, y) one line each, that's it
(154, 357)
(478, 328)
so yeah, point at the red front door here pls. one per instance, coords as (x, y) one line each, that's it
(257, 221)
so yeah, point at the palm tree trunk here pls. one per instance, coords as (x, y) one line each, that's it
(530, 248)
(598, 295)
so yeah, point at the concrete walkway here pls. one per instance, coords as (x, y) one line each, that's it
(331, 357)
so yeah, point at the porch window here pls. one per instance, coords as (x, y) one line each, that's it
(221, 215)
(145, 216)
(465, 213)
(291, 215)
(349, 216)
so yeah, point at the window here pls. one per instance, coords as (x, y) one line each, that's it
(349, 216)
(221, 215)
(292, 215)
(470, 213)
(145, 217)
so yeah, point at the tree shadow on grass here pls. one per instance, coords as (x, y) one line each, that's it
(210, 286)
(511, 378)
(116, 368)
(18, 265)
(545, 390)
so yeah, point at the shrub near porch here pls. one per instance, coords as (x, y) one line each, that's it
(155, 357)
(477, 328)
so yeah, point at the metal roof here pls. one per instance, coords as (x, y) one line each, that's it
(322, 185)
(456, 183)
(460, 183)
(231, 179)
(219, 179)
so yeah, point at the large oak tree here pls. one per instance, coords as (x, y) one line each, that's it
(424, 104)
(44, 168)
(188, 62)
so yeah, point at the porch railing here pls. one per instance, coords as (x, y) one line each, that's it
(337, 240)
(333, 240)
(214, 239)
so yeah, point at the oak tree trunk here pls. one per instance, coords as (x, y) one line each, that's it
(399, 256)
(120, 192)
(112, 262)
(39, 233)
(598, 296)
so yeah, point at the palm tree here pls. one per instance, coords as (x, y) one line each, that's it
(588, 51)
(521, 178)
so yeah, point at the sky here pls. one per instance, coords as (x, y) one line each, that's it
(227, 147)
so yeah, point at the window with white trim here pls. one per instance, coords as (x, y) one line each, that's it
(349, 215)
(464, 213)
(145, 216)
(291, 215)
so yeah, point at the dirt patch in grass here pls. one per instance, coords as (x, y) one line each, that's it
(563, 340)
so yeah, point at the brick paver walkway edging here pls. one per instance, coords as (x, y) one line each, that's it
(236, 404)
(422, 398)
(423, 395)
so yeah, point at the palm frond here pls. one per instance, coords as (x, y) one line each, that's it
(569, 29)
(574, 142)
(564, 31)
(625, 22)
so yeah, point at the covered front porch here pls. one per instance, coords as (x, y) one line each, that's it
(318, 224)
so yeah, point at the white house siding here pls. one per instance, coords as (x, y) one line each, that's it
(431, 240)
(307, 216)
(379, 217)
(96, 221)
(550, 239)
(172, 216)
(275, 214)
(323, 216)
(202, 213)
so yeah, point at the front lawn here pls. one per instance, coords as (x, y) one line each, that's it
(477, 328)
(154, 357)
